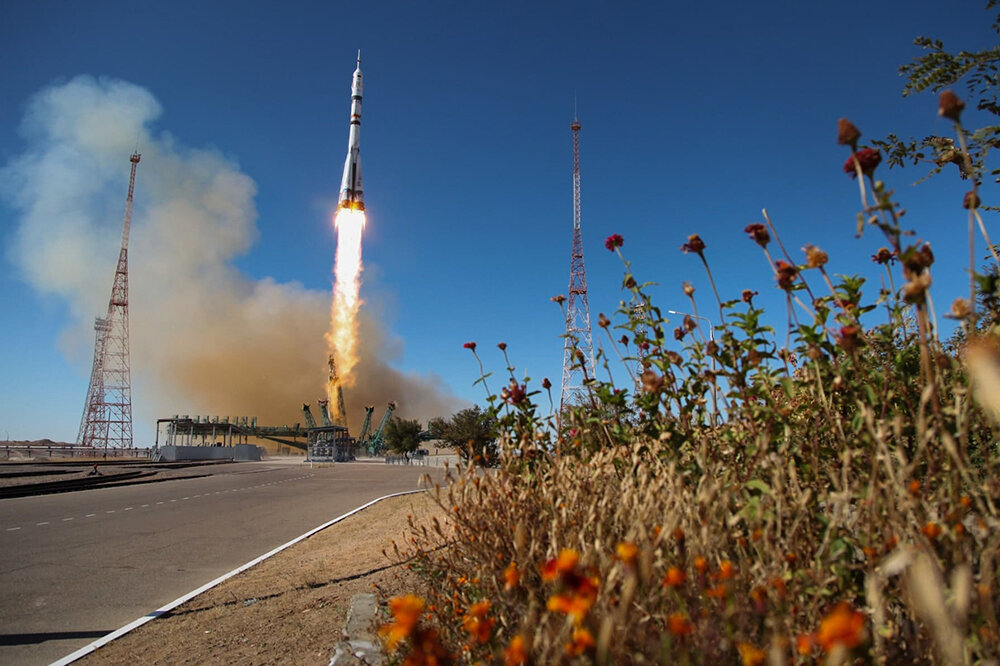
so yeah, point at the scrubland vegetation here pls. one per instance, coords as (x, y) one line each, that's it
(826, 496)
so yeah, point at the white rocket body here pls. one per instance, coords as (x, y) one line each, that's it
(351, 192)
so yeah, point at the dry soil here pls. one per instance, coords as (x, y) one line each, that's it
(289, 609)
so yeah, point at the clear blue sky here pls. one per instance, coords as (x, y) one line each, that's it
(695, 116)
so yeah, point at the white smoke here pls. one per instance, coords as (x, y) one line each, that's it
(205, 338)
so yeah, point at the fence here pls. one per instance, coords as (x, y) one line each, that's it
(424, 461)
(28, 451)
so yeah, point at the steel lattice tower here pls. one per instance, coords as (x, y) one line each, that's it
(578, 353)
(107, 413)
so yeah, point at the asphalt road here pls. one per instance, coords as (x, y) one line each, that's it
(76, 566)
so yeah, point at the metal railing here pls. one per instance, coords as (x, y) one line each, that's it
(30, 451)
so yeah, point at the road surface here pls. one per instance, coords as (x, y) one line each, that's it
(76, 566)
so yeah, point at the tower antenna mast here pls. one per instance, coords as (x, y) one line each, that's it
(578, 352)
(107, 412)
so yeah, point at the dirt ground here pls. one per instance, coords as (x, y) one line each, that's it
(289, 609)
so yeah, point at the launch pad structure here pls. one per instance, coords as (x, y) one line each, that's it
(322, 442)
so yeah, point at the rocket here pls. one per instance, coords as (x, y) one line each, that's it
(351, 193)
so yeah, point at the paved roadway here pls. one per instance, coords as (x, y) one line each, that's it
(76, 566)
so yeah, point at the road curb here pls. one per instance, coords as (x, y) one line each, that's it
(135, 624)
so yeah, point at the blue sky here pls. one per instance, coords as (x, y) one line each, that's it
(695, 116)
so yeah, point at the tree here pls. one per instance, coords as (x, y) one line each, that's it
(402, 435)
(471, 432)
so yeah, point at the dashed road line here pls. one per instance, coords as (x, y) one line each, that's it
(146, 506)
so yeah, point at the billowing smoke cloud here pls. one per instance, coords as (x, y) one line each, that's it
(206, 339)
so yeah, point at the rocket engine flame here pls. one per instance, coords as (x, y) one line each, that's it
(342, 339)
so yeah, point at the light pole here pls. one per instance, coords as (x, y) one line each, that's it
(711, 336)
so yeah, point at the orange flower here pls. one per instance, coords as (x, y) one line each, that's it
(700, 564)
(627, 552)
(674, 578)
(564, 563)
(718, 592)
(779, 586)
(759, 597)
(516, 653)
(476, 624)
(512, 576)
(965, 501)
(804, 644)
(678, 625)
(843, 625)
(406, 612)
(726, 570)
(914, 488)
(582, 641)
(751, 655)
(574, 605)
(931, 531)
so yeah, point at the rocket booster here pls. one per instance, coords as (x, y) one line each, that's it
(351, 192)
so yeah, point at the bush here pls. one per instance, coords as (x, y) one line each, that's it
(828, 497)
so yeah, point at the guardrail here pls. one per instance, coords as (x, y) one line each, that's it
(423, 461)
(22, 451)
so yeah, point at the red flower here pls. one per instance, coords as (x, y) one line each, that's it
(613, 241)
(786, 274)
(868, 158)
(695, 244)
(546, 384)
(758, 233)
(502, 346)
(748, 296)
(469, 345)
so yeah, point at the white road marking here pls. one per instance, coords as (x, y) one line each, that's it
(90, 515)
(128, 508)
(144, 506)
(11, 529)
(45, 523)
(111, 511)
(65, 519)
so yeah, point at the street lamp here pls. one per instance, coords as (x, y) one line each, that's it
(711, 336)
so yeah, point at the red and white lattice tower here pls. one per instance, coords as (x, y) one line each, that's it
(107, 414)
(578, 353)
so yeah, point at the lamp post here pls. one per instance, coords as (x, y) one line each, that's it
(711, 336)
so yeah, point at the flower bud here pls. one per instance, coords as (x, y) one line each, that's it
(950, 106)
(688, 289)
(847, 133)
(971, 200)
